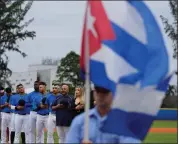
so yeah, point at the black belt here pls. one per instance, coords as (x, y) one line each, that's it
(44, 114)
(21, 114)
(7, 112)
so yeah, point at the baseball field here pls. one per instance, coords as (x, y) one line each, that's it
(161, 132)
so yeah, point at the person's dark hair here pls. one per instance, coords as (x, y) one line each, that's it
(43, 83)
(55, 84)
(19, 85)
(99, 89)
(8, 90)
(65, 84)
(1, 88)
(36, 81)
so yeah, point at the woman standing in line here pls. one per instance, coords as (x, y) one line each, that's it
(79, 100)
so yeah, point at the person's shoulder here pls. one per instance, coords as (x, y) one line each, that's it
(14, 96)
(71, 96)
(59, 96)
(81, 117)
(2, 97)
(31, 93)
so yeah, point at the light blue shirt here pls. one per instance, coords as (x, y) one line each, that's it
(32, 96)
(3, 100)
(50, 100)
(38, 101)
(15, 100)
(76, 132)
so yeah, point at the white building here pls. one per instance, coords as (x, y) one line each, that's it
(46, 73)
(25, 78)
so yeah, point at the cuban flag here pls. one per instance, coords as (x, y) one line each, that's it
(129, 57)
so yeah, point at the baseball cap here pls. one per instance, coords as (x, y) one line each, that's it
(99, 89)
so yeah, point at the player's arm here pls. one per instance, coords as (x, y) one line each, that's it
(2, 103)
(20, 105)
(71, 103)
(12, 104)
(56, 105)
(15, 105)
(44, 104)
(2, 106)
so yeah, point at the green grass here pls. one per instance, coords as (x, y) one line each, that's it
(152, 137)
(161, 138)
(165, 124)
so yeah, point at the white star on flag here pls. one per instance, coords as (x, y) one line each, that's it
(90, 22)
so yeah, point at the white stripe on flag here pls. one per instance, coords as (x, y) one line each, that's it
(115, 65)
(126, 16)
(132, 99)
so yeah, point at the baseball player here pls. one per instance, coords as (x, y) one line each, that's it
(21, 118)
(33, 113)
(51, 124)
(6, 114)
(42, 111)
(13, 114)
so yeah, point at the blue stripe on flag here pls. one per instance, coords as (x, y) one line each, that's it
(155, 46)
(129, 124)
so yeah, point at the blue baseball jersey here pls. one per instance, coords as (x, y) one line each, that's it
(38, 102)
(11, 102)
(15, 101)
(0, 99)
(3, 101)
(31, 97)
(50, 100)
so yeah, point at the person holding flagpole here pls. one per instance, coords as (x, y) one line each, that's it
(124, 55)
(97, 117)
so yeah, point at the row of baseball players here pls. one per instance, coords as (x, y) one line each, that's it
(39, 110)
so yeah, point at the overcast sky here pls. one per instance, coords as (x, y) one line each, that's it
(58, 26)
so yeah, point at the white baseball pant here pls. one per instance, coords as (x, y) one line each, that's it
(33, 119)
(0, 120)
(41, 124)
(62, 132)
(5, 123)
(51, 125)
(0, 123)
(12, 128)
(21, 121)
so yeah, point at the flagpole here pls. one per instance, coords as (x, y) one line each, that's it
(87, 81)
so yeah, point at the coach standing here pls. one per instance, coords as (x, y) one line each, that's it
(64, 106)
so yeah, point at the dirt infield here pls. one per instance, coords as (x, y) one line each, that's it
(163, 130)
(158, 130)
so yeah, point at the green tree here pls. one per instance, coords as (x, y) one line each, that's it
(12, 32)
(69, 70)
(171, 29)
